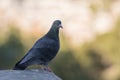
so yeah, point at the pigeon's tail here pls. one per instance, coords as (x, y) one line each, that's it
(19, 67)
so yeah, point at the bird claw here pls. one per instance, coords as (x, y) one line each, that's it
(47, 69)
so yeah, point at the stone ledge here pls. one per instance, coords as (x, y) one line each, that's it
(27, 75)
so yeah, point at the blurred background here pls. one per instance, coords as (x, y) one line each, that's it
(90, 40)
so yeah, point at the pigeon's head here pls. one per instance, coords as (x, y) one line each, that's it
(57, 24)
(54, 30)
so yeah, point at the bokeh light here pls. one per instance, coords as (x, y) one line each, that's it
(89, 40)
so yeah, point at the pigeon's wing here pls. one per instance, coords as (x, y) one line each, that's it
(39, 53)
(29, 56)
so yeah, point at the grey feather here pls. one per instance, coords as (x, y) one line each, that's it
(44, 50)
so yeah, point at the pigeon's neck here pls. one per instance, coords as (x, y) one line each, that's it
(53, 33)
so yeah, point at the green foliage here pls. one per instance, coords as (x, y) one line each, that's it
(11, 50)
(69, 68)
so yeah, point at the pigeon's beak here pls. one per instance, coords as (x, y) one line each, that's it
(61, 26)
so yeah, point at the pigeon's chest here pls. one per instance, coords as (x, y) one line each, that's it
(51, 50)
(53, 45)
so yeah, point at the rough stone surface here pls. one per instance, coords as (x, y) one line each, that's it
(27, 75)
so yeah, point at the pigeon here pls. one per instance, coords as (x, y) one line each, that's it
(44, 50)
